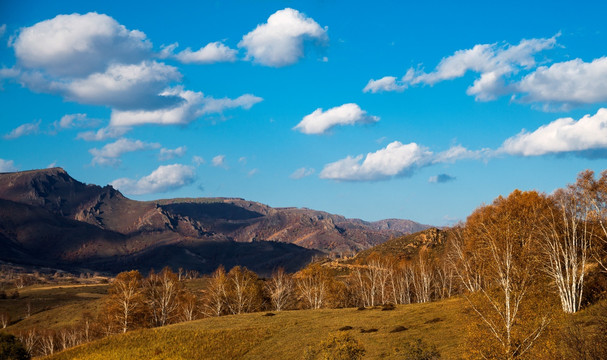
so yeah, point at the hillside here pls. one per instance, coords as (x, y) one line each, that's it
(407, 246)
(49, 218)
(286, 335)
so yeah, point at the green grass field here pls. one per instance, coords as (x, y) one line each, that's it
(286, 335)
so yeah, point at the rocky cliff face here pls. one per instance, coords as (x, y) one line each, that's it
(130, 229)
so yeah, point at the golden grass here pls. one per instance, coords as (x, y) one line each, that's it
(53, 307)
(285, 335)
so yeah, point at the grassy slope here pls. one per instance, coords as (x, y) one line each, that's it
(284, 336)
(53, 306)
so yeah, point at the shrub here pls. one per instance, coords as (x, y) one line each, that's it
(11, 348)
(337, 346)
(419, 350)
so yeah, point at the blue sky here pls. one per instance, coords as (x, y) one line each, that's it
(395, 110)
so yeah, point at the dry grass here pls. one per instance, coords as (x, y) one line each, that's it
(53, 306)
(286, 335)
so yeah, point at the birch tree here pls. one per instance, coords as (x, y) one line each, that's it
(216, 293)
(244, 293)
(313, 286)
(280, 289)
(507, 237)
(162, 291)
(567, 240)
(125, 303)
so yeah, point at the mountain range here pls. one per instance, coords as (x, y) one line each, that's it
(47, 218)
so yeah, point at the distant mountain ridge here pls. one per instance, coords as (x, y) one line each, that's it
(99, 228)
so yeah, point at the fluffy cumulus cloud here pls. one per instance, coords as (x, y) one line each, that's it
(23, 130)
(441, 178)
(168, 154)
(211, 53)
(124, 86)
(394, 160)
(494, 62)
(560, 136)
(92, 59)
(302, 173)
(78, 45)
(110, 154)
(163, 179)
(280, 41)
(7, 166)
(321, 121)
(193, 105)
(567, 83)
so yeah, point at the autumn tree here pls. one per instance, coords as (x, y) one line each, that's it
(125, 303)
(280, 289)
(506, 235)
(465, 259)
(215, 294)
(313, 286)
(162, 292)
(567, 240)
(594, 193)
(401, 281)
(189, 306)
(244, 292)
(424, 276)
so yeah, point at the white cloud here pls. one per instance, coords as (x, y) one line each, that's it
(193, 105)
(7, 166)
(319, 122)
(242, 160)
(2, 30)
(562, 135)
(110, 132)
(569, 83)
(387, 83)
(440, 178)
(214, 106)
(52, 165)
(212, 53)
(219, 161)
(394, 160)
(124, 86)
(494, 62)
(486, 58)
(458, 152)
(164, 178)
(302, 173)
(69, 121)
(198, 160)
(280, 41)
(252, 172)
(22, 130)
(168, 154)
(78, 45)
(110, 154)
